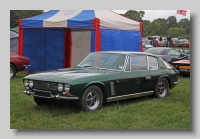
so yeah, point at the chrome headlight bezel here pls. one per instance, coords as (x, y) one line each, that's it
(31, 83)
(60, 87)
(26, 82)
(66, 88)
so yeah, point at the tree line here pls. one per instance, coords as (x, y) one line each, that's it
(160, 26)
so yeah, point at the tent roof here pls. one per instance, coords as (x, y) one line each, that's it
(81, 19)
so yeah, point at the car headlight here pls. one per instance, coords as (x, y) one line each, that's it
(31, 83)
(25, 82)
(60, 87)
(66, 87)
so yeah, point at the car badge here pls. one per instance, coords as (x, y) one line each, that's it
(48, 85)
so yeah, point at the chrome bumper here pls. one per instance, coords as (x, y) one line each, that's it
(177, 82)
(58, 97)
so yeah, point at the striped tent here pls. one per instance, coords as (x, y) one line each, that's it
(62, 38)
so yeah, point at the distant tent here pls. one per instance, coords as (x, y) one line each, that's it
(14, 41)
(62, 38)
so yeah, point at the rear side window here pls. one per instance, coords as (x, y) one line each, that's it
(152, 63)
(136, 62)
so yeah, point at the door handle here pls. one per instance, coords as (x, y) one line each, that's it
(148, 77)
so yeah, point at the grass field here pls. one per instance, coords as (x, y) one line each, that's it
(170, 113)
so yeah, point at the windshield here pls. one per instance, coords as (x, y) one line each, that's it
(103, 60)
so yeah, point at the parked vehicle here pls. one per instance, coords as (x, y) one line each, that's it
(183, 66)
(17, 63)
(178, 43)
(146, 46)
(102, 77)
(167, 54)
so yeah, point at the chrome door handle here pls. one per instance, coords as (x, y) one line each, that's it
(148, 77)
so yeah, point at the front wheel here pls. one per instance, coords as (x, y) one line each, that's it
(161, 89)
(12, 71)
(92, 99)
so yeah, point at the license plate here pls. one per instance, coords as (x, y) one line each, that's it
(184, 67)
(41, 93)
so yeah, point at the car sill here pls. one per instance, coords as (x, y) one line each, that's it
(129, 96)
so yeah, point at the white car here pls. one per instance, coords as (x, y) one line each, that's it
(146, 46)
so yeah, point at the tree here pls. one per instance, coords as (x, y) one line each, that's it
(145, 24)
(135, 15)
(171, 21)
(15, 15)
(176, 31)
(185, 23)
(153, 28)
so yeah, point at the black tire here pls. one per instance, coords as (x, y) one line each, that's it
(40, 101)
(92, 99)
(12, 71)
(161, 89)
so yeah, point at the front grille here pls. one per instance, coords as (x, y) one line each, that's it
(41, 85)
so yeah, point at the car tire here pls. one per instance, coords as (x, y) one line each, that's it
(161, 89)
(92, 99)
(40, 101)
(12, 71)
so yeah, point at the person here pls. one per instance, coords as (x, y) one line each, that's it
(156, 42)
(160, 39)
(168, 40)
(152, 42)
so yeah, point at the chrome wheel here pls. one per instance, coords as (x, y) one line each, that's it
(11, 72)
(162, 89)
(92, 100)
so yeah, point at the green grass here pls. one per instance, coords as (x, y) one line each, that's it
(169, 113)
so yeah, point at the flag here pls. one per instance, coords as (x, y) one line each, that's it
(182, 12)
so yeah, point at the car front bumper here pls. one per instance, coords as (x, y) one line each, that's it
(50, 96)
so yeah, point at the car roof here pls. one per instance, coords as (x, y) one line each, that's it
(127, 52)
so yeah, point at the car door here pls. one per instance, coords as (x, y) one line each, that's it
(135, 78)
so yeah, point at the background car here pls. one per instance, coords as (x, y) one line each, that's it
(178, 43)
(167, 54)
(145, 46)
(183, 66)
(17, 63)
(102, 77)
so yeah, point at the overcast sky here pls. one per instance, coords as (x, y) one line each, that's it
(154, 14)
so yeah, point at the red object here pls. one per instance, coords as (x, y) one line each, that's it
(182, 12)
(183, 66)
(20, 45)
(67, 48)
(96, 26)
(19, 61)
(156, 43)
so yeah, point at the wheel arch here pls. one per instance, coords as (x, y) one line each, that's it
(14, 65)
(168, 79)
(101, 86)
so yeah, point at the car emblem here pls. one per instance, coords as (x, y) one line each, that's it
(48, 85)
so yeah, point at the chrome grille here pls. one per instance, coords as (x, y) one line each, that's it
(41, 85)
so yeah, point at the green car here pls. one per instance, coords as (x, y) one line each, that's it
(102, 77)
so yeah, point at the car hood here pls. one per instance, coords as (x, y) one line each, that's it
(181, 62)
(67, 75)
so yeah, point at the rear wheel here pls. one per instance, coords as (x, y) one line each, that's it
(161, 89)
(92, 99)
(12, 71)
